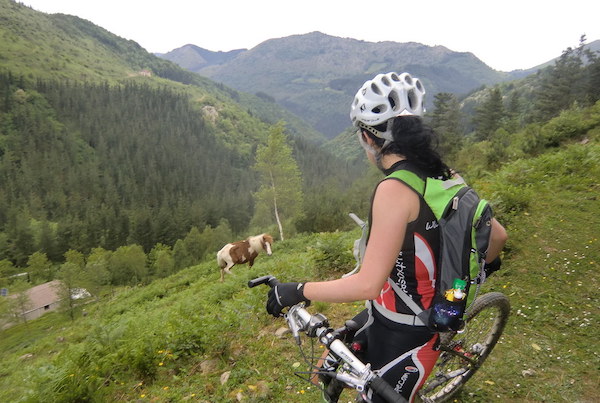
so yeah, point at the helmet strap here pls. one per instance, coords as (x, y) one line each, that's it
(377, 154)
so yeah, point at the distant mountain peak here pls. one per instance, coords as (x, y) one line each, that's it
(194, 57)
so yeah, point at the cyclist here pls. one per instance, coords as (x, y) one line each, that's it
(403, 240)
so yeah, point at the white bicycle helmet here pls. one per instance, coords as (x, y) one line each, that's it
(384, 97)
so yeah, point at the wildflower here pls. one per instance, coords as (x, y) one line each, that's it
(143, 395)
(160, 364)
(166, 388)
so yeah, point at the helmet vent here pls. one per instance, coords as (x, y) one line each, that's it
(394, 100)
(376, 89)
(379, 109)
(419, 85)
(395, 77)
(412, 99)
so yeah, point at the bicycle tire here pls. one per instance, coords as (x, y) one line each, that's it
(464, 353)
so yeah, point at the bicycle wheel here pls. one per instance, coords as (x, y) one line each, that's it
(463, 353)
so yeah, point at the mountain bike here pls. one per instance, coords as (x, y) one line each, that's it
(462, 352)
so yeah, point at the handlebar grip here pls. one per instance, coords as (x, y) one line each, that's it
(385, 390)
(270, 280)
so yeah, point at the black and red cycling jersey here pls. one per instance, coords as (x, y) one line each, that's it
(415, 269)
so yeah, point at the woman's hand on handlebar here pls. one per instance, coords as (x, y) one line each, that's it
(284, 295)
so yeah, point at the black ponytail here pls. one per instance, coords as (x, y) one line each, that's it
(417, 142)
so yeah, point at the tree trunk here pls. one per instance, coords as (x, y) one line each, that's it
(275, 207)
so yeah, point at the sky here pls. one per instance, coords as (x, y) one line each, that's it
(505, 34)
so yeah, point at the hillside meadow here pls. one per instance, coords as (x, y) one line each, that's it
(189, 337)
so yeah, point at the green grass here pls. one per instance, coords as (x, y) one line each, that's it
(177, 338)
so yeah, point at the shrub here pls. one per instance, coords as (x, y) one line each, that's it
(510, 200)
(332, 254)
(568, 125)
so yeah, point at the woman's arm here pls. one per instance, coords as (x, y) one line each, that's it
(394, 206)
(498, 238)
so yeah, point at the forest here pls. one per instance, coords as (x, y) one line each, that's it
(86, 166)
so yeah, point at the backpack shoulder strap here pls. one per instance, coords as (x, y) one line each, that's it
(414, 181)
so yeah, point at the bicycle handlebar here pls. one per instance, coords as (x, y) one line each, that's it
(385, 390)
(299, 319)
(270, 280)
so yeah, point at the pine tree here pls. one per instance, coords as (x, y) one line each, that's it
(446, 122)
(592, 74)
(561, 84)
(489, 116)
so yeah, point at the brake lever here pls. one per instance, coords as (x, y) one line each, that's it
(293, 325)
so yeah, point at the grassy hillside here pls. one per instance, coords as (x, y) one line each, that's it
(189, 337)
(64, 47)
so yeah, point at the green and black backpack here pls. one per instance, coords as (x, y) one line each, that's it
(465, 228)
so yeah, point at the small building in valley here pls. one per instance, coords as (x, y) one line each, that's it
(41, 299)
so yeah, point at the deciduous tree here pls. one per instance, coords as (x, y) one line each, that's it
(279, 198)
(39, 267)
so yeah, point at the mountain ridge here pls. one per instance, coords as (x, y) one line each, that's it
(315, 75)
(195, 57)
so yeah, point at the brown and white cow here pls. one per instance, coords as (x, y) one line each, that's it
(243, 252)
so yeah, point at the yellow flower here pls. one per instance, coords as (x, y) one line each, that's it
(142, 395)
(165, 388)
(160, 364)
